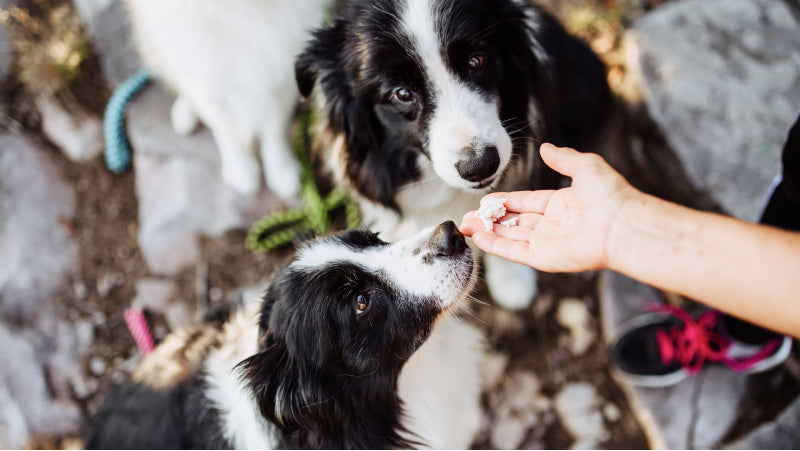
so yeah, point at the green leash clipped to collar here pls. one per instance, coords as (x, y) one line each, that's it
(280, 228)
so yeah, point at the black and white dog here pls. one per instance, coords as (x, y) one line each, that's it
(430, 104)
(352, 347)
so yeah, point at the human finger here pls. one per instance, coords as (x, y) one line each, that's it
(530, 220)
(516, 251)
(499, 194)
(528, 201)
(563, 160)
(516, 233)
(470, 223)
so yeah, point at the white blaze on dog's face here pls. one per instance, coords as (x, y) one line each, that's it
(467, 143)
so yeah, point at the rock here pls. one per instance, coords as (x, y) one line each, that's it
(110, 30)
(511, 428)
(517, 410)
(579, 409)
(21, 371)
(69, 343)
(13, 430)
(77, 134)
(574, 315)
(611, 413)
(36, 253)
(782, 433)
(180, 189)
(721, 78)
(91, 10)
(154, 294)
(97, 366)
(108, 282)
(158, 296)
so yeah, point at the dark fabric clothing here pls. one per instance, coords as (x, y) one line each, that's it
(783, 207)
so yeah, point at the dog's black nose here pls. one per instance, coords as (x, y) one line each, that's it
(447, 240)
(482, 164)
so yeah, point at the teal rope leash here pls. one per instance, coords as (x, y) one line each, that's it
(118, 148)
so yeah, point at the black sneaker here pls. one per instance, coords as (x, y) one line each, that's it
(662, 348)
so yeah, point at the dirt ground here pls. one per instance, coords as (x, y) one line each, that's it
(105, 226)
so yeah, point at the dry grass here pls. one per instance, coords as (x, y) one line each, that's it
(50, 45)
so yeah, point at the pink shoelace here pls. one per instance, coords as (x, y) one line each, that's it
(697, 342)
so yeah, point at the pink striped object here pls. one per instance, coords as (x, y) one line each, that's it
(137, 324)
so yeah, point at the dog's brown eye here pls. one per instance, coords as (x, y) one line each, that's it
(475, 62)
(362, 302)
(403, 95)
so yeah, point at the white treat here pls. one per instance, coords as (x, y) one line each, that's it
(490, 211)
(512, 222)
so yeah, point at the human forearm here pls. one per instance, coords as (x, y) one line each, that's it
(747, 270)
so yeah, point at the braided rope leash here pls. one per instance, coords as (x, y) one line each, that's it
(281, 227)
(118, 148)
(137, 324)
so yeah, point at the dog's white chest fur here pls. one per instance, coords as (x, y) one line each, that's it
(444, 375)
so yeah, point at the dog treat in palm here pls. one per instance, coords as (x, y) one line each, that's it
(512, 222)
(490, 211)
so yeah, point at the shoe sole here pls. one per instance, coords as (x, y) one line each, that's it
(778, 357)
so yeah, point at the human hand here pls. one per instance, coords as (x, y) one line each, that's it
(565, 230)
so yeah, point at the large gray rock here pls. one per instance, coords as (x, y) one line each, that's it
(180, 188)
(13, 430)
(40, 365)
(24, 381)
(721, 78)
(783, 433)
(78, 134)
(694, 414)
(36, 253)
(108, 25)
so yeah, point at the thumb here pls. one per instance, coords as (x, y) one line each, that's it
(562, 159)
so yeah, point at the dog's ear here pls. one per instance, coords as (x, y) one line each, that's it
(270, 376)
(321, 58)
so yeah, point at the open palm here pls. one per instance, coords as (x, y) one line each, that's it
(561, 230)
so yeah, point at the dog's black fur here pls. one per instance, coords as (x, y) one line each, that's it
(136, 416)
(362, 56)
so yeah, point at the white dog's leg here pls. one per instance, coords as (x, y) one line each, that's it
(281, 168)
(239, 165)
(512, 285)
(238, 161)
(184, 119)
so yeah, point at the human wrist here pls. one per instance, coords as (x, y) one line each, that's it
(629, 212)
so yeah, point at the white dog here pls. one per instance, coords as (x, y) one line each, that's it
(231, 64)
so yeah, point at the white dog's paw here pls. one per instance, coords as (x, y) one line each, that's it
(512, 285)
(244, 178)
(184, 119)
